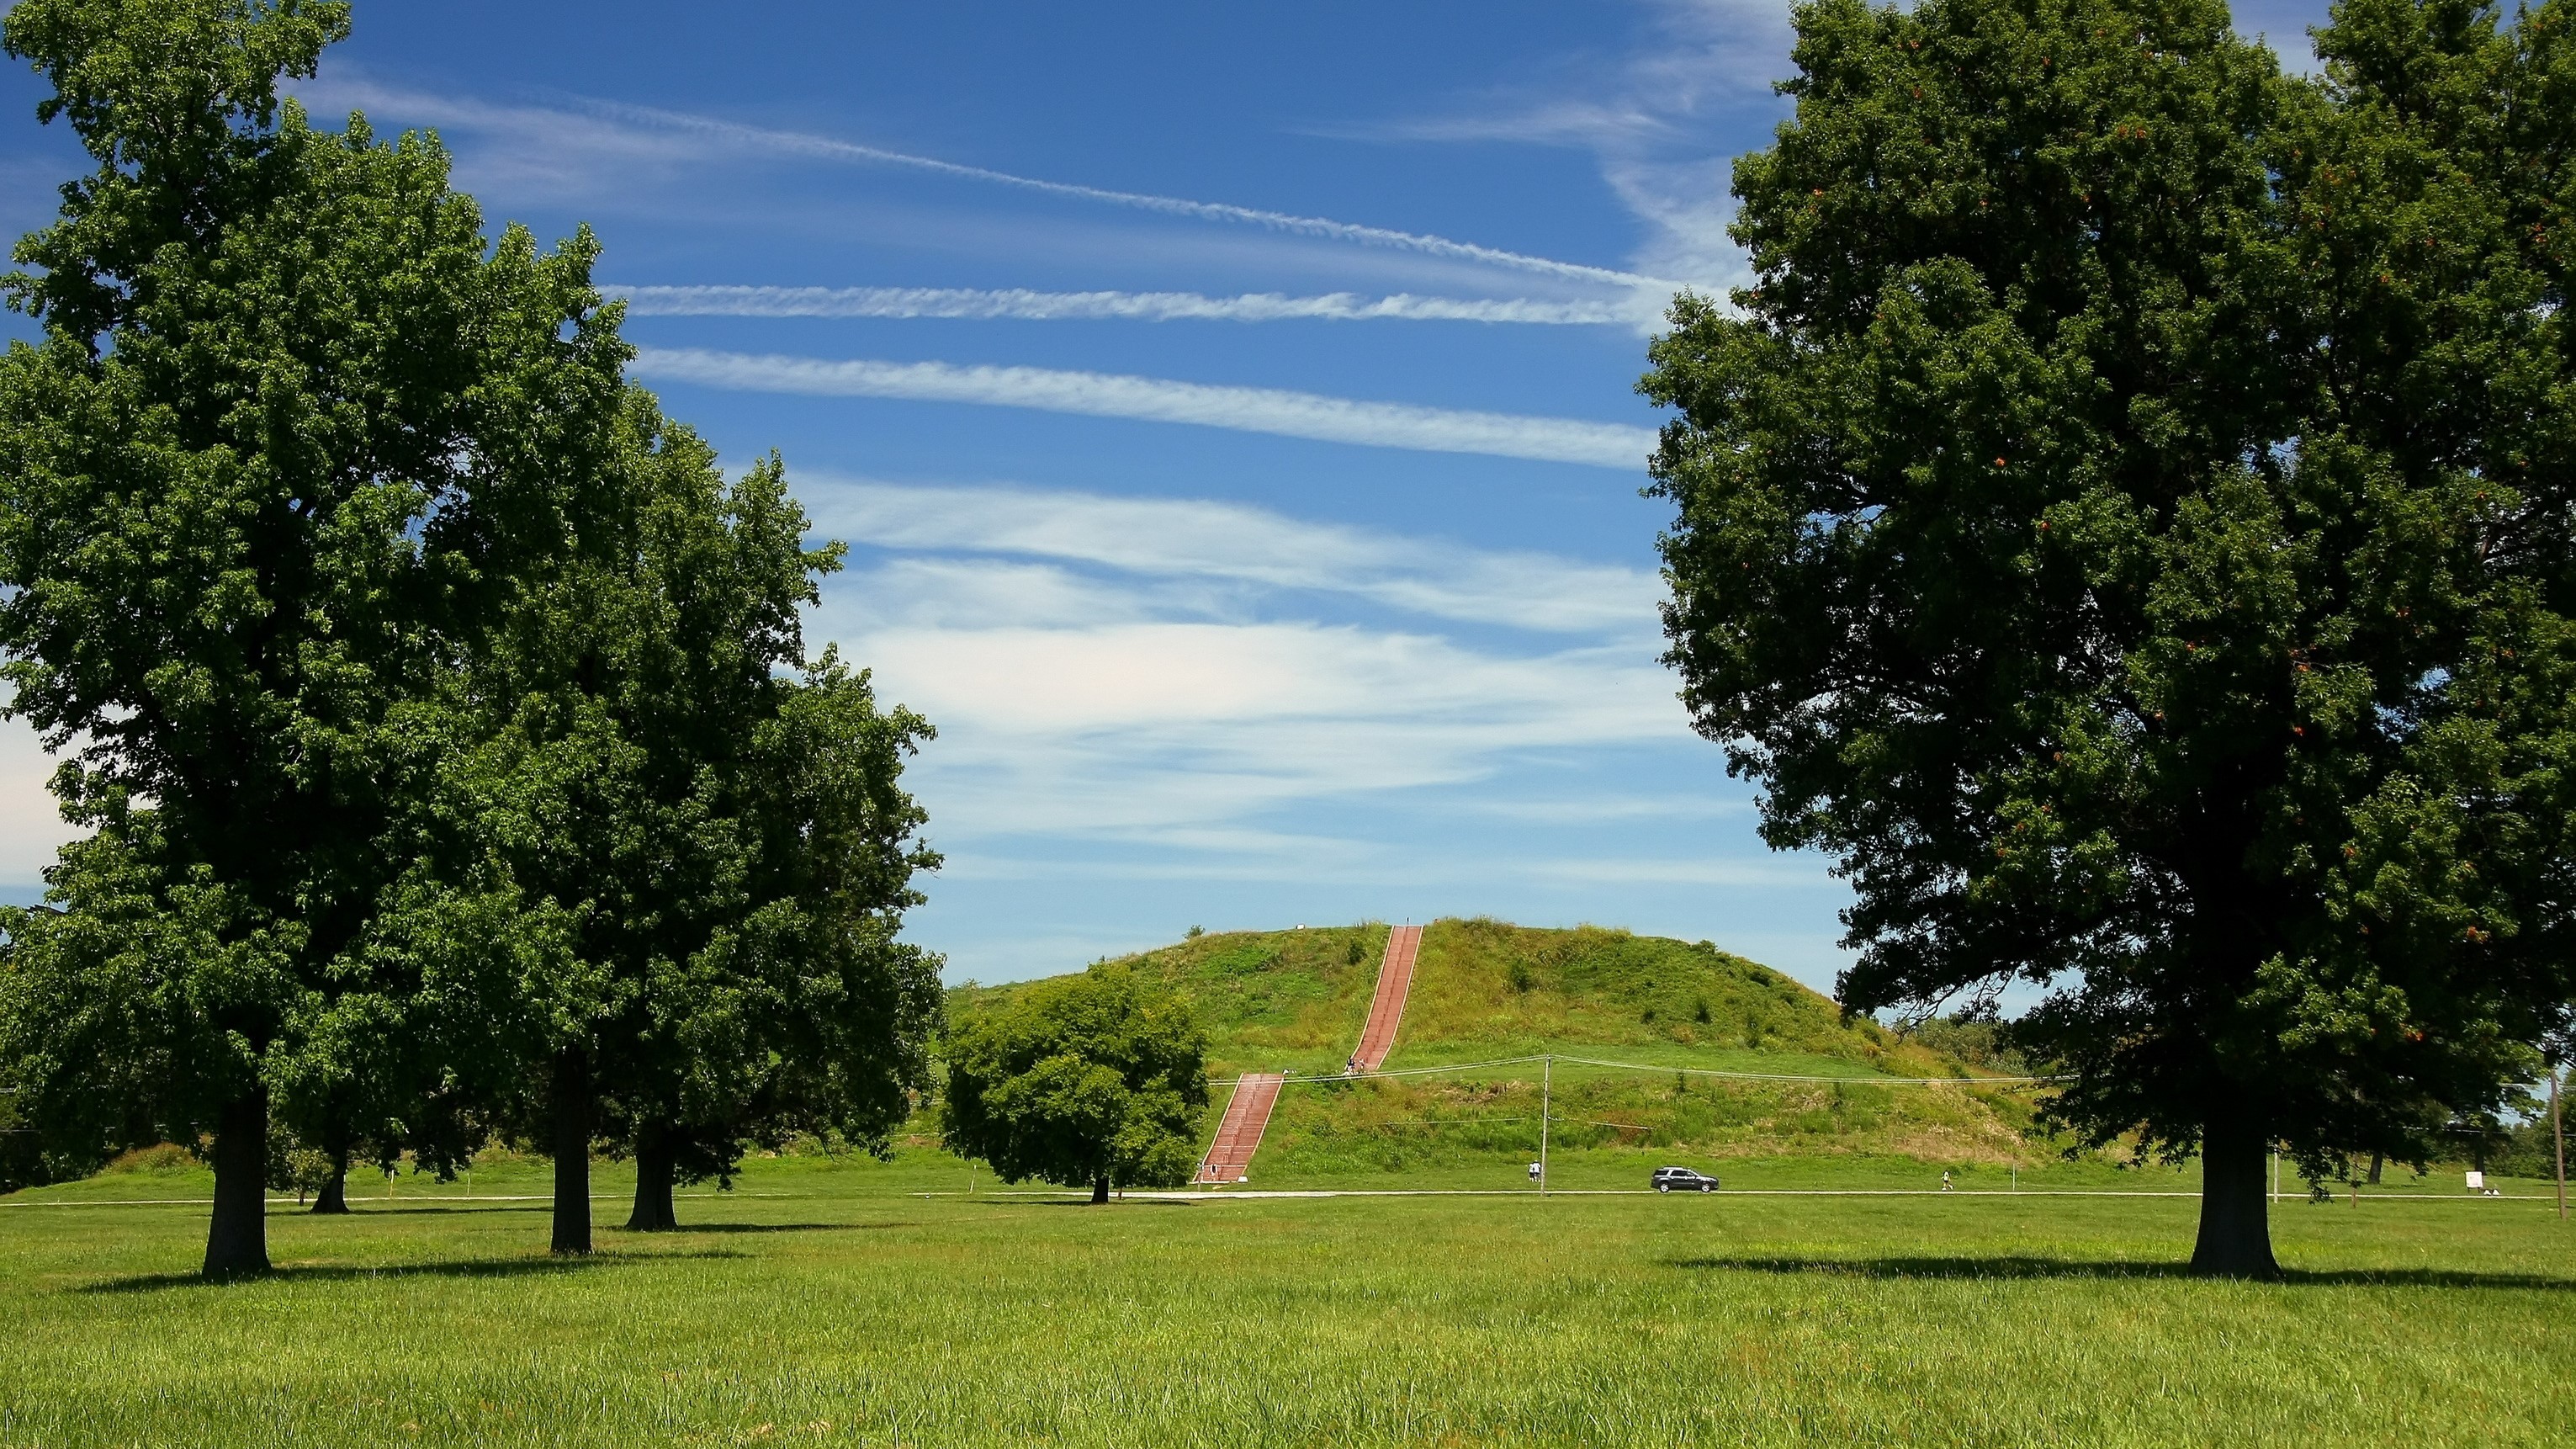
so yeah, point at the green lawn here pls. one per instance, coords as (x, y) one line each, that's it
(824, 1303)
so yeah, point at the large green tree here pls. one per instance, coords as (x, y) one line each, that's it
(294, 430)
(723, 822)
(1097, 1079)
(2126, 524)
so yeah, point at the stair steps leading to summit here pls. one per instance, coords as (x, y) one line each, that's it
(1238, 1135)
(1386, 1013)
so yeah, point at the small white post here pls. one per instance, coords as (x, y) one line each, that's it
(1546, 1089)
(2558, 1131)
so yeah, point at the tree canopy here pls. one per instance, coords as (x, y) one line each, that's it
(292, 421)
(2125, 522)
(721, 819)
(438, 711)
(1096, 1080)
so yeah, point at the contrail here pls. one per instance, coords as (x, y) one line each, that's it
(721, 301)
(1110, 395)
(803, 144)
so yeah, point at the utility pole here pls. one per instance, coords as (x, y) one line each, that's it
(1546, 1088)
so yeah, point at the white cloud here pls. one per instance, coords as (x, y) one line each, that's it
(1653, 121)
(1760, 871)
(1100, 394)
(829, 148)
(1185, 678)
(1019, 303)
(31, 827)
(982, 593)
(1133, 670)
(1605, 809)
(536, 149)
(1233, 544)
(590, 146)
(1156, 734)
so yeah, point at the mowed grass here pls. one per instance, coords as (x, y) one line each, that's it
(824, 1303)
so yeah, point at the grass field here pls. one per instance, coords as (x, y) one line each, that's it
(824, 1302)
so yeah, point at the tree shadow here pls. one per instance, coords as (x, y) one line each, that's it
(339, 1273)
(401, 1212)
(1070, 1201)
(2008, 1268)
(686, 1228)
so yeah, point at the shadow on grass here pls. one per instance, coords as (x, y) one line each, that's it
(1073, 1202)
(685, 1229)
(2039, 1268)
(339, 1273)
(401, 1212)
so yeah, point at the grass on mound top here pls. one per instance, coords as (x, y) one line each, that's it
(1270, 1000)
(1296, 1001)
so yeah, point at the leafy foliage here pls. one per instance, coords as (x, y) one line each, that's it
(438, 709)
(293, 428)
(719, 818)
(2126, 524)
(1095, 1079)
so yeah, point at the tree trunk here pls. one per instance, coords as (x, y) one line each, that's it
(2376, 1160)
(653, 1156)
(237, 1232)
(572, 1111)
(1100, 1189)
(2235, 1231)
(334, 1196)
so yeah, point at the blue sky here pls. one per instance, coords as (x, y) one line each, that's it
(1228, 408)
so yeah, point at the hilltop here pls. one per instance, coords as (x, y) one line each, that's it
(1295, 1001)
(1483, 990)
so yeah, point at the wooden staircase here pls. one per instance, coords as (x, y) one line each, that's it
(1238, 1136)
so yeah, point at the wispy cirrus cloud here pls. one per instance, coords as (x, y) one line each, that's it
(1141, 728)
(1234, 545)
(1023, 304)
(1663, 122)
(584, 143)
(798, 143)
(1114, 395)
(1161, 671)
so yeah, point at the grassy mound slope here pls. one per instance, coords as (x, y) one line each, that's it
(1295, 1001)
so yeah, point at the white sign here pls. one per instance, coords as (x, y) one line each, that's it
(2477, 1180)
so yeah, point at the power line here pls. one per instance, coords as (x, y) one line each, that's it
(1681, 1071)
(1839, 1081)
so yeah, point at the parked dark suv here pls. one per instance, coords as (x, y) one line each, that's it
(1683, 1179)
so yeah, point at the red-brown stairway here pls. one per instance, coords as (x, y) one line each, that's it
(1237, 1137)
(1247, 1112)
(1386, 1013)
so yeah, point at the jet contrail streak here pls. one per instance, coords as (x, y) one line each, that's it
(1112, 395)
(1021, 303)
(801, 143)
